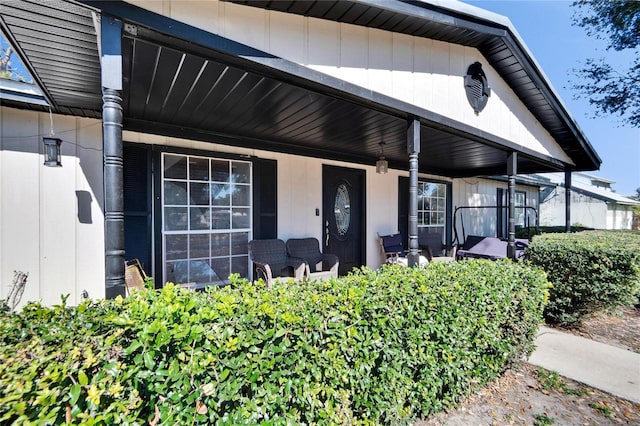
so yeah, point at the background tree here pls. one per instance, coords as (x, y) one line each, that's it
(610, 90)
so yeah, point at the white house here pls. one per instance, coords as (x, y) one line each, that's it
(188, 129)
(594, 203)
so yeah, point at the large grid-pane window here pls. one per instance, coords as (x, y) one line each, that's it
(206, 206)
(432, 207)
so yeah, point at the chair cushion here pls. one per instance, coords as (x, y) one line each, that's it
(392, 243)
(272, 252)
(305, 248)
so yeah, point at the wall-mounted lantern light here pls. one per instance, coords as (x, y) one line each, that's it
(52, 156)
(382, 165)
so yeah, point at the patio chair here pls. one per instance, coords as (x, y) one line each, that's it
(271, 260)
(394, 251)
(491, 248)
(318, 265)
(134, 275)
(436, 251)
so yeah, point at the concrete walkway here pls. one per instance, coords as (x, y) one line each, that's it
(598, 365)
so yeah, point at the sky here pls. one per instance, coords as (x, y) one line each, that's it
(558, 47)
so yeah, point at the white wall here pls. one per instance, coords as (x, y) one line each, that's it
(423, 72)
(619, 216)
(585, 211)
(45, 230)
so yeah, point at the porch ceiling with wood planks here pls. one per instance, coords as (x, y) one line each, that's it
(183, 82)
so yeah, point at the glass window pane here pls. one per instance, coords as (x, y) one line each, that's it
(175, 167)
(434, 218)
(199, 194)
(175, 193)
(219, 171)
(241, 172)
(220, 219)
(198, 168)
(421, 219)
(200, 272)
(441, 205)
(220, 244)
(432, 189)
(220, 194)
(241, 195)
(200, 218)
(240, 243)
(221, 267)
(241, 218)
(440, 218)
(199, 246)
(168, 272)
(176, 246)
(175, 218)
(240, 265)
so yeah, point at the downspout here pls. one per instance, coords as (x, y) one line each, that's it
(111, 64)
(413, 148)
(512, 171)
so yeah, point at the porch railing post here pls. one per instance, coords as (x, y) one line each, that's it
(111, 38)
(567, 200)
(512, 171)
(413, 148)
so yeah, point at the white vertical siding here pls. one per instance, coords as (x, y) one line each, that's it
(619, 216)
(423, 72)
(585, 211)
(39, 218)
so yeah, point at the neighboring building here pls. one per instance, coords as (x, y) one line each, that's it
(593, 202)
(190, 128)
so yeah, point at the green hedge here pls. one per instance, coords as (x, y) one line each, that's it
(376, 347)
(528, 232)
(590, 271)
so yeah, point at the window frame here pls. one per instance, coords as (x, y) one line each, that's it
(230, 230)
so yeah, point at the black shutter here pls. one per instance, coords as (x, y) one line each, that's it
(501, 214)
(403, 209)
(137, 204)
(265, 199)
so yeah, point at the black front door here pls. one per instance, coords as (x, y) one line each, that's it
(343, 202)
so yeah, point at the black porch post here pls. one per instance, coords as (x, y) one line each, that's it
(112, 147)
(567, 200)
(413, 148)
(512, 171)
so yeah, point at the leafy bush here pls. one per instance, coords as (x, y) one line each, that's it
(590, 271)
(528, 232)
(370, 348)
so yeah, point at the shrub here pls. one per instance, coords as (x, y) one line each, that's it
(590, 271)
(370, 348)
(528, 232)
